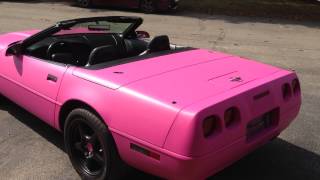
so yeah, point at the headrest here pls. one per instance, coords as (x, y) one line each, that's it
(159, 43)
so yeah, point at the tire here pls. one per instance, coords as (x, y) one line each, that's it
(91, 148)
(84, 3)
(148, 6)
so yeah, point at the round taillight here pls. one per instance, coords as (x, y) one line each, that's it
(210, 126)
(231, 117)
(295, 86)
(286, 91)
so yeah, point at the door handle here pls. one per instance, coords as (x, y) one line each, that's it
(52, 78)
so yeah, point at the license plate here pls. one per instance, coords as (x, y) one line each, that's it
(260, 124)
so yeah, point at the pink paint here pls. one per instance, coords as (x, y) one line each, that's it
(160, 104)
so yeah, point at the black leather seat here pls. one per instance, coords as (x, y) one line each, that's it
(159, 43)
(103, 54)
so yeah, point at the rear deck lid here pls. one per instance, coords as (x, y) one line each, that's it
(185, 86)
(123, 74)
(180, 78)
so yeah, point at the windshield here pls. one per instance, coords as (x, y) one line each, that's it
(101, 26)
(124, 25)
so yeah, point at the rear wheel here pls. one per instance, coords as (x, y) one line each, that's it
(90, 147)
(148, 6)
(84, 3)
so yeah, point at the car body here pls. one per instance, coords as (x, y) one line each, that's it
(148, 6)
(178, 113)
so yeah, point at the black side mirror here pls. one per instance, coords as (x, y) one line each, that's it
(62, 57)
(14, 50)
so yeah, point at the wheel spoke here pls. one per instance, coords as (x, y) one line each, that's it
(82, 133)
(92, 139)
(78, 146)
(98, 158)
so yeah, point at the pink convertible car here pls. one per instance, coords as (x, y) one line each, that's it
(118, 96)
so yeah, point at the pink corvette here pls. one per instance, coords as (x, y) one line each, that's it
(121, 98)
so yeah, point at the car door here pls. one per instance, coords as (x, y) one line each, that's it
(32, 83)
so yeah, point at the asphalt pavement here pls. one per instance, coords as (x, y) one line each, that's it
(29, 149)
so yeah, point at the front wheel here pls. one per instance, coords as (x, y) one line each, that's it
(148, 6)
(90, 147)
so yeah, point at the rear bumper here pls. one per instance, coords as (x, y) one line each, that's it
(175, 166)
(187, 155)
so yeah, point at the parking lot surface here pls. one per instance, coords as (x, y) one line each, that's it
(29, 149)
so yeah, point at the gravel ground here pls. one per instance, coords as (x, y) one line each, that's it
(29, 149)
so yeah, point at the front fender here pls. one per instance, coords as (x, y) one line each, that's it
(9, 38)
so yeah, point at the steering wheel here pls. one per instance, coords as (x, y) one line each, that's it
(58, 47)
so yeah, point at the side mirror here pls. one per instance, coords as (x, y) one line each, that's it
(14, 50)
(143, 34)
(61, 57)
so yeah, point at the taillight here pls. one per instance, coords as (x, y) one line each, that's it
(295, 86)
(286, 91)
(231, 117)
(210, 126)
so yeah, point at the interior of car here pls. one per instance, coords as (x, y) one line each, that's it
(89, 49)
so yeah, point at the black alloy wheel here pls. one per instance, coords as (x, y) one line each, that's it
(90, 147)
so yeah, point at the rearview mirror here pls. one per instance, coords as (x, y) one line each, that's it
(14, 50)
(143, 34)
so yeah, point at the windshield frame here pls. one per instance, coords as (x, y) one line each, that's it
(135, 22)
(64, 25)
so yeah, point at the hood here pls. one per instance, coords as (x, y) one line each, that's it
(180, 78)
(9, 38)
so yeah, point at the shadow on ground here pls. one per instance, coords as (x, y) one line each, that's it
(277, 160)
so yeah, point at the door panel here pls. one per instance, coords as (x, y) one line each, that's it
(25, 81)
(35, 75)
